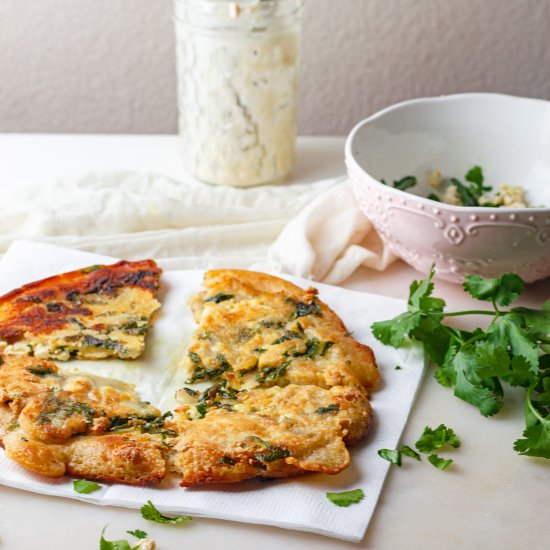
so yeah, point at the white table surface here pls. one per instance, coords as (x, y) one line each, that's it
(490, 498)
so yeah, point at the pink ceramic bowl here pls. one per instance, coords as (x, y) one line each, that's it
(509, 137)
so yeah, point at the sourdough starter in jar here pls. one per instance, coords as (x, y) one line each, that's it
(237, 78)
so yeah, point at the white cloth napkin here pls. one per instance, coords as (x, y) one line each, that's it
(296, 503)
(328, 240)
(187, 225)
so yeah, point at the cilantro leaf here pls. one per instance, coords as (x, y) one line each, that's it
(83, 486)
(534, 321)
(395, 455)
(446, 374)
(405, 183)
(113, 544)
(420, 291)
(508, 333)
(275, 452)
(435, 338)
(391, 455)
(503, 291)
(396, 331)
(430, 440)
(475, 175)
(536, 441)
(345, 498)
(495, 362)
(536, 437)
(150, 513)
(420, 303)
(466, 196)
(220, 297)
(476, 187)
(138, 533)
(406, 450)
(483, 393)
(440, 463)
(492, 361)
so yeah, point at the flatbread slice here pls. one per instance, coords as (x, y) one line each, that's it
(92, 313)
(273, 432)
(55, 424)
(256, 330)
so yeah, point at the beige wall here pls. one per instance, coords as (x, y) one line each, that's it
(108, 65)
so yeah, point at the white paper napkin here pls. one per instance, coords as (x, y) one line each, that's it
(297, 503)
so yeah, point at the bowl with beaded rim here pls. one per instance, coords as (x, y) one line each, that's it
(509, 137)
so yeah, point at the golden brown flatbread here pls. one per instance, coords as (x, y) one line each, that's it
(92, 313)
(53, 424)
(290, 392)
(273, 432)
(256, 330)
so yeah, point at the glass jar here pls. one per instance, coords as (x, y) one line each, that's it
(237, 88)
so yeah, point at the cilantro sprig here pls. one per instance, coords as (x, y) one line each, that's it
(512, 350)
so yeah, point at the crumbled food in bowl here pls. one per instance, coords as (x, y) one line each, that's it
(435, 180)
(509, 196)
(474, 193)
(452, 195)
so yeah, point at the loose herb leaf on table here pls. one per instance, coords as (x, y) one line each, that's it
(138, 533)
(440, 463)
(149, 512)
(432, 439)
(113, 544)
(512, 349)
(395, 456)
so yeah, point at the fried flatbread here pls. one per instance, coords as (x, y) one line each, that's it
(54, 424)
(256, 330)
(92, 313)
(292, 388)
(273, 432)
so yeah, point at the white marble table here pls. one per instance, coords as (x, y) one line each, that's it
(491, 498)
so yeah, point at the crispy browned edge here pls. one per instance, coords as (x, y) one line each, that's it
(273, 284)
(18, 314)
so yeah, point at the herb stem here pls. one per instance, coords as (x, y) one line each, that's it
(529, 403)
(454, 334)
(472, 340)
(460, 313)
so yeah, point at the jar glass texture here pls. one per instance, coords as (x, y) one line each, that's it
(237, 88)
